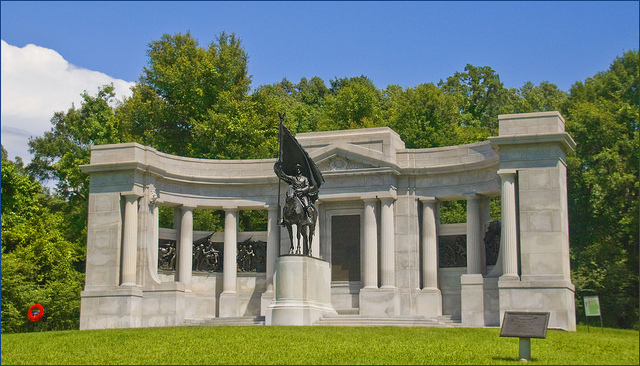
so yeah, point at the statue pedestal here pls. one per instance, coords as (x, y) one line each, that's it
(302, 291)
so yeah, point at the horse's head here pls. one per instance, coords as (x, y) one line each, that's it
(290, 194)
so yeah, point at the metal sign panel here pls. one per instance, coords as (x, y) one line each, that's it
(591, 306)
(524, 325)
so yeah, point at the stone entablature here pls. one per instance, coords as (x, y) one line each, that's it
(395, 191)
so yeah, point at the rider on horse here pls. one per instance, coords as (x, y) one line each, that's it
(300, 185)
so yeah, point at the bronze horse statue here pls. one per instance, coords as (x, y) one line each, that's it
(293, 214)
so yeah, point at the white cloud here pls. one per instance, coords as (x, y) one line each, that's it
(36, 82)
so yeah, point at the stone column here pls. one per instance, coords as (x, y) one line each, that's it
(230, 261)
(474, 236)
(370, 257)
(508, 237)
(273, 252)
(229, 295)
(130, 241)
(315, 245)
(273, 244)
(429, 244)
(185, 259)
(387, 236)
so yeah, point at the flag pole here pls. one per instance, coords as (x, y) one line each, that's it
(280, 161)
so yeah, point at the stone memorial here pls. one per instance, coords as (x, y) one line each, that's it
(376, 250)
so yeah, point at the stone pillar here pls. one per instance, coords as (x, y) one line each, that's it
(273, 252)
(130, 241)
(428, 300)
(508, 237)
(370, 255)
(387, 236)
(152, 246)
(273, 244)
(185, 259)
(474, 236)
(229, 295)
(230, 264)
(429, 244)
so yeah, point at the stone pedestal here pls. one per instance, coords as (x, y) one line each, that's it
(228, 306)
(379, 302)
(302, 291)
(119, 307)
(472, 300)
(429, 302)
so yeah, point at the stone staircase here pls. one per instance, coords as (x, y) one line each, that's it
(346, 320)
(353, 320)
(237, 321)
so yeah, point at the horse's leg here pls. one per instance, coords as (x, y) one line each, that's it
(289, 228)
(312, 230)
(298, 231)
(305, 238)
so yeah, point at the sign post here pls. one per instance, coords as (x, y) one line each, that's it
(524, 325)
(592, 308)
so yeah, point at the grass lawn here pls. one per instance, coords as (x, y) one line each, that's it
(315, 345)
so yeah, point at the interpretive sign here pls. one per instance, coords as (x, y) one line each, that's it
(591, 306)
(524, 325)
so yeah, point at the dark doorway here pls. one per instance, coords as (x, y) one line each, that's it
(345, 248)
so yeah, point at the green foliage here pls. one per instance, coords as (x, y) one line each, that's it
(423, 116)
(38, 259)
(453, 212)
(480, 97)
(602, 116)
(316, 346)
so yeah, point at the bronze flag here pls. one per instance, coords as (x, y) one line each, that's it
(291, 153)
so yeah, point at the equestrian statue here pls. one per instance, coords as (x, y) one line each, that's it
(295, 167)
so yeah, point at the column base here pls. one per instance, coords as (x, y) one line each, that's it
(557, 298)
(472, 300)
(265, 300)
(228, 305)
(429, 302)
(379, 302)
(119, 307)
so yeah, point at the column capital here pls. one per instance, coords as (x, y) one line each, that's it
(506, 173)
(471, 196)
(230, 208)
(130, 195)
(387, 199)
(426, 199)
(187, 208)
(369, 199)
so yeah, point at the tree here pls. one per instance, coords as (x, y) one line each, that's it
(187, 94)
(38, 260)
(542, 98)
(357, 104)
(60, 152)
(423, 116)
(481, 97)
(602, 116)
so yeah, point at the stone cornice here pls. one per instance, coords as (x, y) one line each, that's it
(562, 138)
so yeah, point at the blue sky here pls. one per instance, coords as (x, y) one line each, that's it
(404, 43)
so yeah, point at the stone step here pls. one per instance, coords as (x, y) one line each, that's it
(394, 321)
(233, 321)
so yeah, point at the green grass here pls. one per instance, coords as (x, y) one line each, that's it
(315, 345)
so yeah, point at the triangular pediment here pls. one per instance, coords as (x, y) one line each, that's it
(349, 157)
(338, 163)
